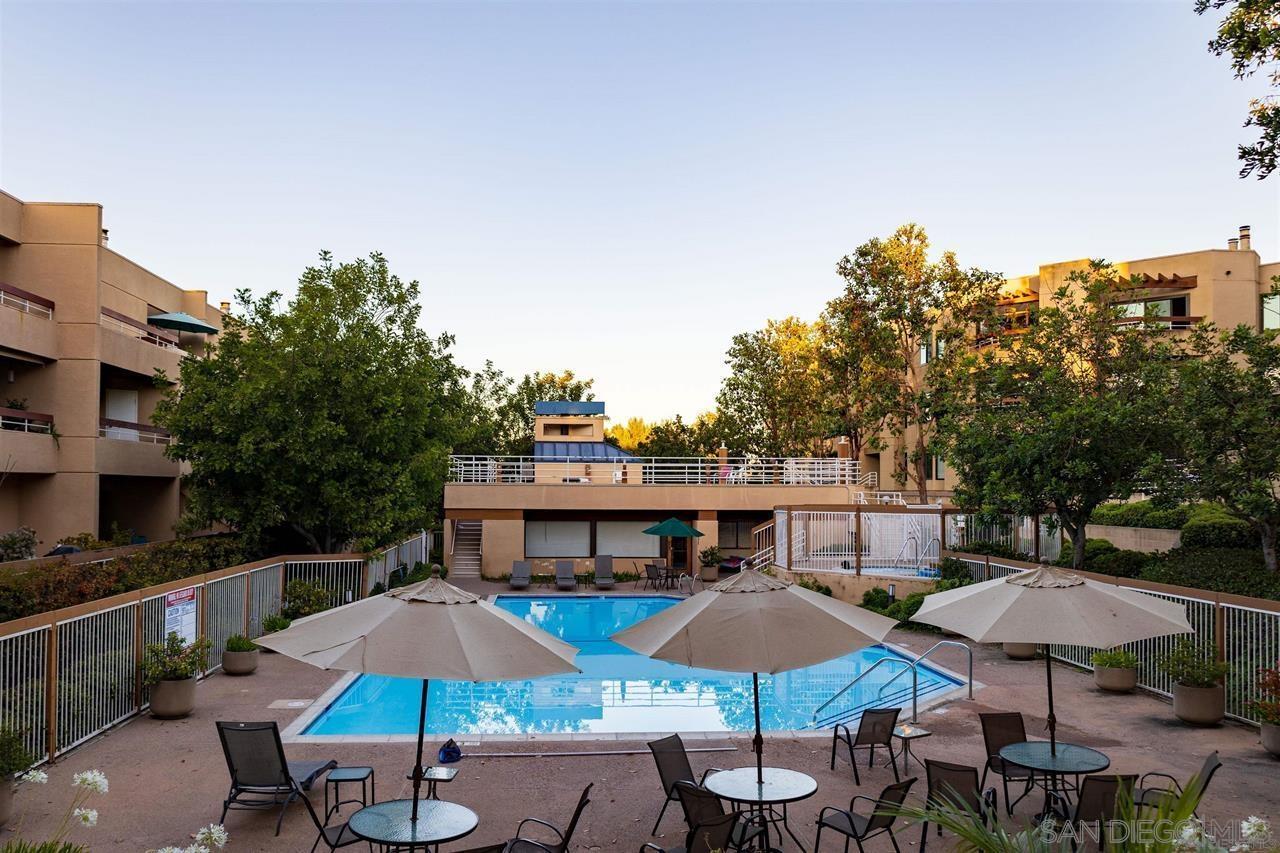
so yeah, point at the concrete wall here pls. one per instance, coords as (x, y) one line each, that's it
(850, 588)
(1143, 539)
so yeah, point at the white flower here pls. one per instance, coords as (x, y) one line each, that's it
(1255, 829)
(196, 848)
(94, 780)
(213, 835)
(169, 849)
(88, 817)
(34, 777)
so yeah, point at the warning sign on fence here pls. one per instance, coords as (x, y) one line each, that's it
(180, 614)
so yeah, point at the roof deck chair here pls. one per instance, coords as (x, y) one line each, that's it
(521, 574)
(673, 766)
(956, 785)
(557, 844)
(713, 834)
(261, 776)
(1156, 796)
(604, 571)
(566, 580)
(701, 808)
(1000, 729)
(332, 837)
(858, 827)
(875, 728)
(1095, 803)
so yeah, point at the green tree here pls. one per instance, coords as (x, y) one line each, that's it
(676, 438)
(771, 399)
(329, 419)
(501, 410)
(1228, 419)
(854, 358)
(1249, 34)
(629, 435)
(919, 312)
(1067, 415)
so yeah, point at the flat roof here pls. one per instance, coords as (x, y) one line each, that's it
(569, 407)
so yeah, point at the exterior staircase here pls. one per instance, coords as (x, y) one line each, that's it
(464, 562)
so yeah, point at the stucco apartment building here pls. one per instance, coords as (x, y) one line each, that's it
(79, 347)
(1229, 286)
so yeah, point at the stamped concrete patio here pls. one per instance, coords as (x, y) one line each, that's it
(168, 777)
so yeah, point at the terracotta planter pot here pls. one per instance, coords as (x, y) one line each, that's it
(6, 799)
(1271, 738)
(710, 574)
(1020, 651)
(173, 699)
(1116, 679)
(1199, 706)
(239, 663)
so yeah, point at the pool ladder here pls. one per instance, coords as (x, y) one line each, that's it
(907, 666)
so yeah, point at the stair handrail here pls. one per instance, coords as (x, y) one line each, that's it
(849, 686)
(915, 674)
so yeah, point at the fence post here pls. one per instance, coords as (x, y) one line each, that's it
(791, 537)
(364, 578)
(857, 540)
(1035, 520)
(137, 656)
(248, 599)
(51, 692)
(1219, 630)
(986, 559)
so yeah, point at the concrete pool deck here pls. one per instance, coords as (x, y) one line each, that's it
(168, 777)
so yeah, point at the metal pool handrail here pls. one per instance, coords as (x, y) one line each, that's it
(849, 686)
(915, 674)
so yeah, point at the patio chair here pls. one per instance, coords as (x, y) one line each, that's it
(874, 729)
(521, 574)
(701, 808)
(652, 576)
(714, 834)
(956, 785)
(999, 730)
(521, 844)
(859, 827)
(673, 766)
(261, 776)
(1156, 796)
(566, 580)
(333, 837)
(604, 571)
(1095, 803)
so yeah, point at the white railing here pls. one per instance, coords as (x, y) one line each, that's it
(20, 420)
(26, 306)
(153, 338)
(740, 471)
(1017, 533)
(129, 431)
(415, 549)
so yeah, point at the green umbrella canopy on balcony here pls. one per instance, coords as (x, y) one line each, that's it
(673, 527)
(182, 322)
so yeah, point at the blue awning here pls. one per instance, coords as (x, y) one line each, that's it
(560, 451)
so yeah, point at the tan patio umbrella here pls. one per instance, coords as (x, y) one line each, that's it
(755, 623)
(1048, 606)
(425, 630)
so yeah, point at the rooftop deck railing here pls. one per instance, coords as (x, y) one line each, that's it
(26, 302)
(660, 470)
(20, 420)
(130, 431)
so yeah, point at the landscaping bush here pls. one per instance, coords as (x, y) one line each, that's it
(952, 569)
(1120, 563)
(1210, 526)
(995, 549)
(811, 584)
(173, 660)
(1235, 570)
(421, 571)
(876, 598)
(1142, 514)
(275, 622)
(304, 598)
(1093, 549)
(18, 544)
(14, 756)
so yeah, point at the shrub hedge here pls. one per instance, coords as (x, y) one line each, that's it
(1210, 526)
(1141, 514)
(1236, 570)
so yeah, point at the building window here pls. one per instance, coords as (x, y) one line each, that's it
(1271, 311)
(626, 539)
(1176, 306)
(735, 534)
(937, 468)
(557, 538)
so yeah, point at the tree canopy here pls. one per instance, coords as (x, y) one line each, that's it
(1249, 34)
(501, 409)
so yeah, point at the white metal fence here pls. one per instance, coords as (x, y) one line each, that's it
(674, 470)
(858, 540)
(414, 550)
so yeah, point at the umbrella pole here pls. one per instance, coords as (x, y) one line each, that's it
(1053, 721)
(758, 742)
(417, 767)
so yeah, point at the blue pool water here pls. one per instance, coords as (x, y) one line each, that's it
(618, 690)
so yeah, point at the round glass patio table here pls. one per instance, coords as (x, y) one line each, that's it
(1069, 760)
(781, 786)
(388, 823)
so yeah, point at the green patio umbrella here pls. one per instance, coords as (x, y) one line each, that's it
(672, 528)
(182, 322)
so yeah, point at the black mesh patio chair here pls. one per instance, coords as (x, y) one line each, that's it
(880, 820)
(1157, 795)
(333, 837)
(956, 785)
(521, 574)
(673, 766)
(714, 834)
(560, 843)
(604, 571)
(652, 576)
(701, 808)
(874, 729)
(261, 776)
(1095, 803)
(566, 580)
(999, 730)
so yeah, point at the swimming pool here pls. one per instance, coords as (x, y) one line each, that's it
(618, 690)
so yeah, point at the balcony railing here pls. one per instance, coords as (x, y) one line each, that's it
(659, 471)
(20, 420)
(129, 431)
(27, 303)
(128, 326)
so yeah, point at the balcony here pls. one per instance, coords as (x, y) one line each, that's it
(27, 442)
(658, 471)
(26, 324)
(137, 347)
(133, 449)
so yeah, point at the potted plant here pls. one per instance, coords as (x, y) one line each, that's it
(170, 669)
(1267, 708)
(14, 759)
(710, 558)
(240, 656)
(1199, 696)
(273, 623)
(1115, 670)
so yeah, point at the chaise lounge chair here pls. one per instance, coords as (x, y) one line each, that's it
(261, 776)
(521, 574)
(566, 580)
(604, 571)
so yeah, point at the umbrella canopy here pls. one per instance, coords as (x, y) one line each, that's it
(1047, 606)
(183, 322)
(748, 623)
(425, 630)
(673, 527)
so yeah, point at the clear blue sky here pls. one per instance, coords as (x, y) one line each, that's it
(617, 188)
